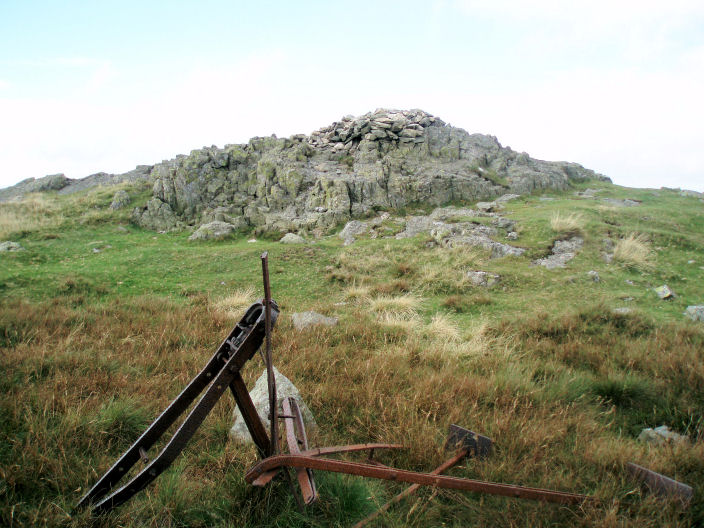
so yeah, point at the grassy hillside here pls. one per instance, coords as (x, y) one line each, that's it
(102, 324)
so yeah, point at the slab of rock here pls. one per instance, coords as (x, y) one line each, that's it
(622, 203)
(664, 292)
(303, 320)
(562, 252)
(10, 246)
(507, 198)
(661, 436)
(120, 200)
(292, 238)
(353, 229)
(594, 275)
(622, 311)
(213, 231)
(483, 279)
(260, 399)
(695, 313)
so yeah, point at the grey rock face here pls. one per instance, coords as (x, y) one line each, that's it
(292, 238)
(562, 252)
(382, 160)
(120, 200)
(483, 279)
(303, 320)
(695, 313)
(260, 399)
(664, 292)
(661, 436)
(157, 216)
(10, 246)
(213, 231)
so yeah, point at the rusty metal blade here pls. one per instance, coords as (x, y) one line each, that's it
(660, 484)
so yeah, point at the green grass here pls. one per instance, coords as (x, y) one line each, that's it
(95, 344)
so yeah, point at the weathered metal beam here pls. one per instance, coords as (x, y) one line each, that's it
(411, 477)
(660, 484)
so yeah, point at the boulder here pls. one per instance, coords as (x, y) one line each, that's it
(10, 246)
(695, 313)
(661, 436)
(260, 398)
(292, 238)
(664, 292)
(304, 320)
(157, 216)
(120, 200)
(213, 231)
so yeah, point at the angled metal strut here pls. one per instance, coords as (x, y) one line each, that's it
(221, 371)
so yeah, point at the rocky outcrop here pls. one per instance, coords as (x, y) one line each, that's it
(64, 185)
(381, 160)
(561, 253)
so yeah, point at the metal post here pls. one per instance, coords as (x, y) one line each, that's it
(271, 379)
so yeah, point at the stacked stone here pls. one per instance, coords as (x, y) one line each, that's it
(402, 126)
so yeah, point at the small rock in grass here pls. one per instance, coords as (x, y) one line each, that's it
(292, 238)
(10, 246)
(305, 319)
(690, 262)
(483, 278)
(96, 250)
(215, 230)
(661, 436)
(622, 311)
(260, 399)
(664, 292)
(594, 275)
(695, 313)
(252, 240)
(512, 235)
(629, 282)
(120, 200)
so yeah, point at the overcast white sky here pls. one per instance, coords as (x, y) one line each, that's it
(104, 86)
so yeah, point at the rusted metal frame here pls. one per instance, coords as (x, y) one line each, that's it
(249, 414)
(305, 476)
(414, 487)
(235, 350)
(660, 484)
(270, 377)
(411, 477)
(267, 476)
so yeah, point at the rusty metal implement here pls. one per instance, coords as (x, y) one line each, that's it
(221, 372)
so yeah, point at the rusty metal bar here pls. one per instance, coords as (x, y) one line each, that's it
(267, 476)
(249, 413)
(270, 377)
(305, 476)
(660, 484)
(411, 477)
(413, 488)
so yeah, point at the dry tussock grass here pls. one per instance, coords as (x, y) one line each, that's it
(567, 223)
(233, 305)
(31, 213)
(634, 250)
(398, 306)
(84, 380)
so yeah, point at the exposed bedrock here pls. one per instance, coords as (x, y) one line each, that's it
(381, 160)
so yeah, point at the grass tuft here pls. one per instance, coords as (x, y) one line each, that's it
(572, 223)
(634, 251)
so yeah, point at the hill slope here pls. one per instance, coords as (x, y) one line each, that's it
(102, 322)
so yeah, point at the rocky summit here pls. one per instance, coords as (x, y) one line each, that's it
(385, 159)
